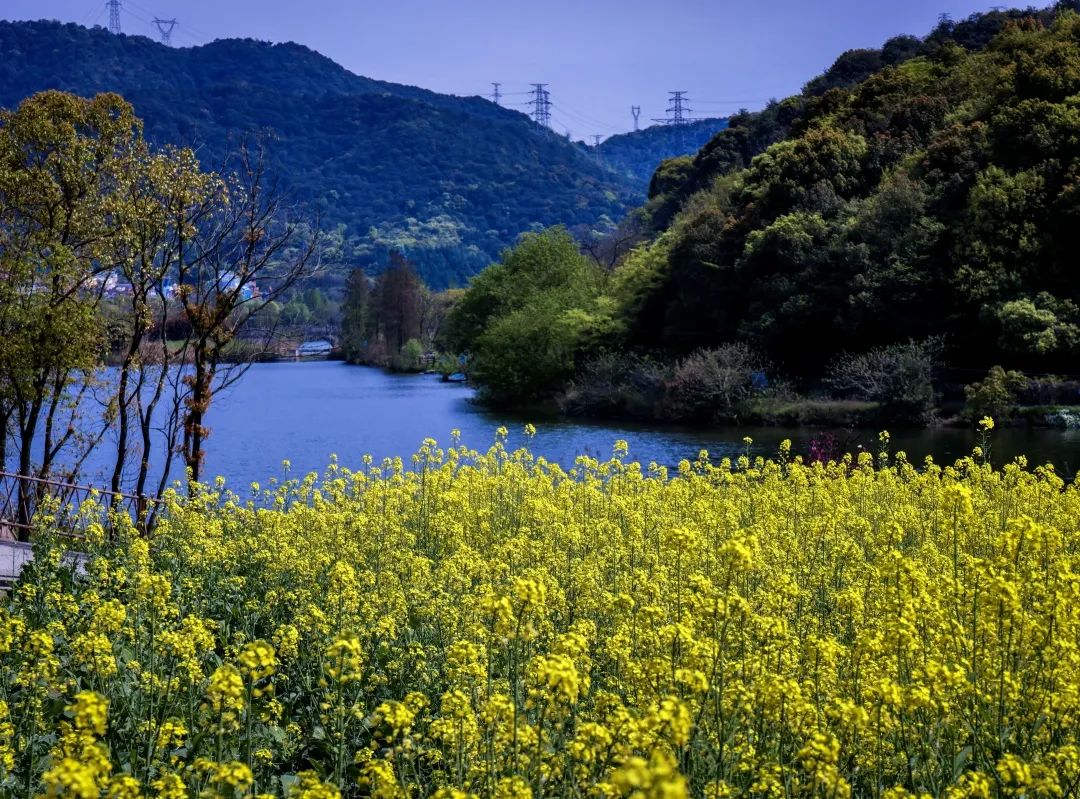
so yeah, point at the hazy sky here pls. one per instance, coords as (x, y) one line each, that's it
(599, 56)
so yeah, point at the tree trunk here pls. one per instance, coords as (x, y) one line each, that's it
(194, 431)
(5, 420)
(27, 490)
(123, 423)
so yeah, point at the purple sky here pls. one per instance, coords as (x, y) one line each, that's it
(599, 56)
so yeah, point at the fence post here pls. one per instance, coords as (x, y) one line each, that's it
(22, 495)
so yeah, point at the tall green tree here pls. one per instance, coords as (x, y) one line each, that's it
(355, 316)
(524, 320)
(61, 163)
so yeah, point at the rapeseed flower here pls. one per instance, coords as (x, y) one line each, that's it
(491, 625)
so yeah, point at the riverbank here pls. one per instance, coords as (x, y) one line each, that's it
(312, 413)
(235, 352)
(782, 412)
(798, 412)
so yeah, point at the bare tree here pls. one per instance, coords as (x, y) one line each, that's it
(608, 248)
(86, 207)
(244, 255)
(167, 196)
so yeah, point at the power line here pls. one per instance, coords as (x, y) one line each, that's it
(600, 123)
(717, 104)
(194, 38)
(114, 15)
(193, 33)
(583, 120)
(733, 100)
(556, 123)
(93, 14)
(93, 23)
(678, 110)
(541, 104)
(165, 28)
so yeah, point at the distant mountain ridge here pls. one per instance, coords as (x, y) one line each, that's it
(450, 181)
(638, 154)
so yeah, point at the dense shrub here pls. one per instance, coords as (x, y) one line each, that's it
(410, 358)
(1048, 390)
(900, 377)
(617, 384)
(995, 394)
(705, 386)
(712, 384)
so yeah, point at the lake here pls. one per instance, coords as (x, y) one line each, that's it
(305, 412)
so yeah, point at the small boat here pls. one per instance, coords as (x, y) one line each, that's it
(314, 349)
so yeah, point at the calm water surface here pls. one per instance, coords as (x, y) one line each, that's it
(306, 412)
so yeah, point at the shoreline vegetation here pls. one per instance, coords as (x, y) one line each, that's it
(468, 624)
(395, 322)
(134, 287)
(800, 412)
(892, 246)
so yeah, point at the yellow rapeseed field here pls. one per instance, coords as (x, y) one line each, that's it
(490, 625)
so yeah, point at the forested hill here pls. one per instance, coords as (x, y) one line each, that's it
(915, 207)
(450, 181)
(928, 188)
(638, 154)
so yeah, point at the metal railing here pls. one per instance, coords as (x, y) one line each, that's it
(22, 497)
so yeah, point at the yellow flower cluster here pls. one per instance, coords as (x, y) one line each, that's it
(492, 626)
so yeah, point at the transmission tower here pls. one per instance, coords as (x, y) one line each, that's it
(678, 110)
(496, 95)
(165, 28)
(596, 139)
(114, 15)
(541, 104)
(636, 111)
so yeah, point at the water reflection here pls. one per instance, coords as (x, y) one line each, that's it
(306, 412)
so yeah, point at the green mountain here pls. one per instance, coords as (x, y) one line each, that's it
(637, 154)
(450, 181)
(930, 188)
(914, 206)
